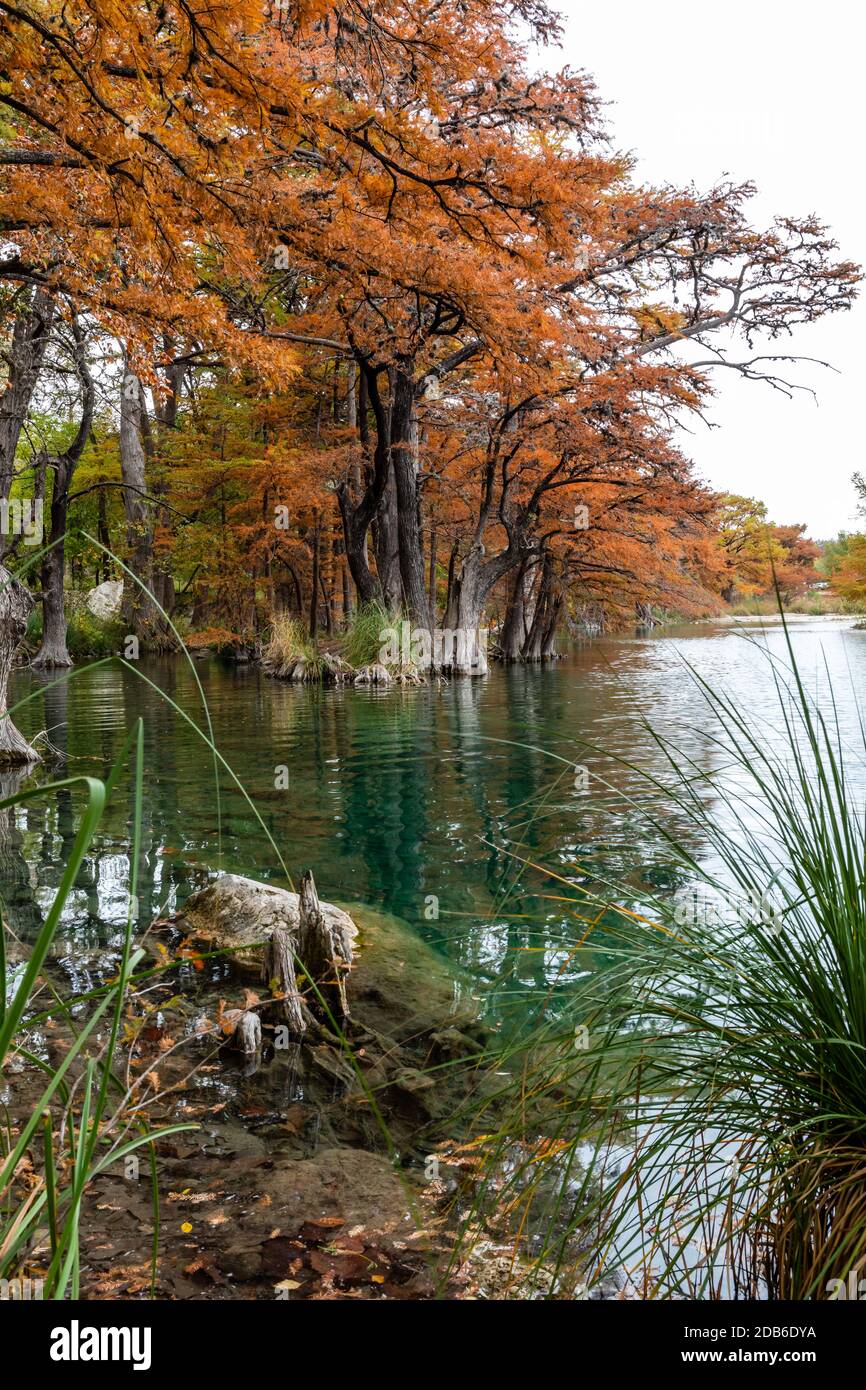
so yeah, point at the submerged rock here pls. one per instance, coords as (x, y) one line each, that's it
(407, 1019)
(400, 984)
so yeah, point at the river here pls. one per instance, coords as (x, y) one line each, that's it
(459, 806)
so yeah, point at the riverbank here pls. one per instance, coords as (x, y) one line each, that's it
(378, 648)
(313, 1166)
(821, 604)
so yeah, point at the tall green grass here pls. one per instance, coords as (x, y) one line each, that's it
(363, 641)
(694, 1119)
(83, 1120)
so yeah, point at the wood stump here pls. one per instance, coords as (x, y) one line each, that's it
(301, 947)
(279, 973)
(324, 950)
(320, 950)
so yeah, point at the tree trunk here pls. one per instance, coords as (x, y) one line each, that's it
(139, 611)
(431, 579)
(314, 585)
(465, 645)
(540, 644)
(532, 645)
(26, 352)
(357, 515)
(103, 535)
(351, 396)
(450, 619)
(388, 545)
(166, 420)
(53, 652)
(299, 592)
(15, 605)
(328, 603)
(514, 627)
(548, 640)
(347, 597)
(404, 455)
(328, 588)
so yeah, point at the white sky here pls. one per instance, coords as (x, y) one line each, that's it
(773, 93)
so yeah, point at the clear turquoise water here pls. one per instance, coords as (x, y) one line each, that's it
(459, 799)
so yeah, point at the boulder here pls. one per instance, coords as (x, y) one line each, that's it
(105, 600)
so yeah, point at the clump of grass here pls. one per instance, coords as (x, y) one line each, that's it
(363, 641)
(703, 1094)
(288, 645)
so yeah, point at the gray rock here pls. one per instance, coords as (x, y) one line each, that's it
(105, 600)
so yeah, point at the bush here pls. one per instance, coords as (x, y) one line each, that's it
(86, 635)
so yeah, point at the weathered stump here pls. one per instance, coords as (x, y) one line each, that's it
(324, 949)
(281, 936)
(278, 972)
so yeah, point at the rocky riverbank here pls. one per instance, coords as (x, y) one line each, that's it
(313, 1170)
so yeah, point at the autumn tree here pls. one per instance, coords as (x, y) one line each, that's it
(394, 201)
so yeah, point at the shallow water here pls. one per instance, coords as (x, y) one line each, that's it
(455, 806)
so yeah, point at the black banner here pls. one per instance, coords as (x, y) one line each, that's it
(214, 1336)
